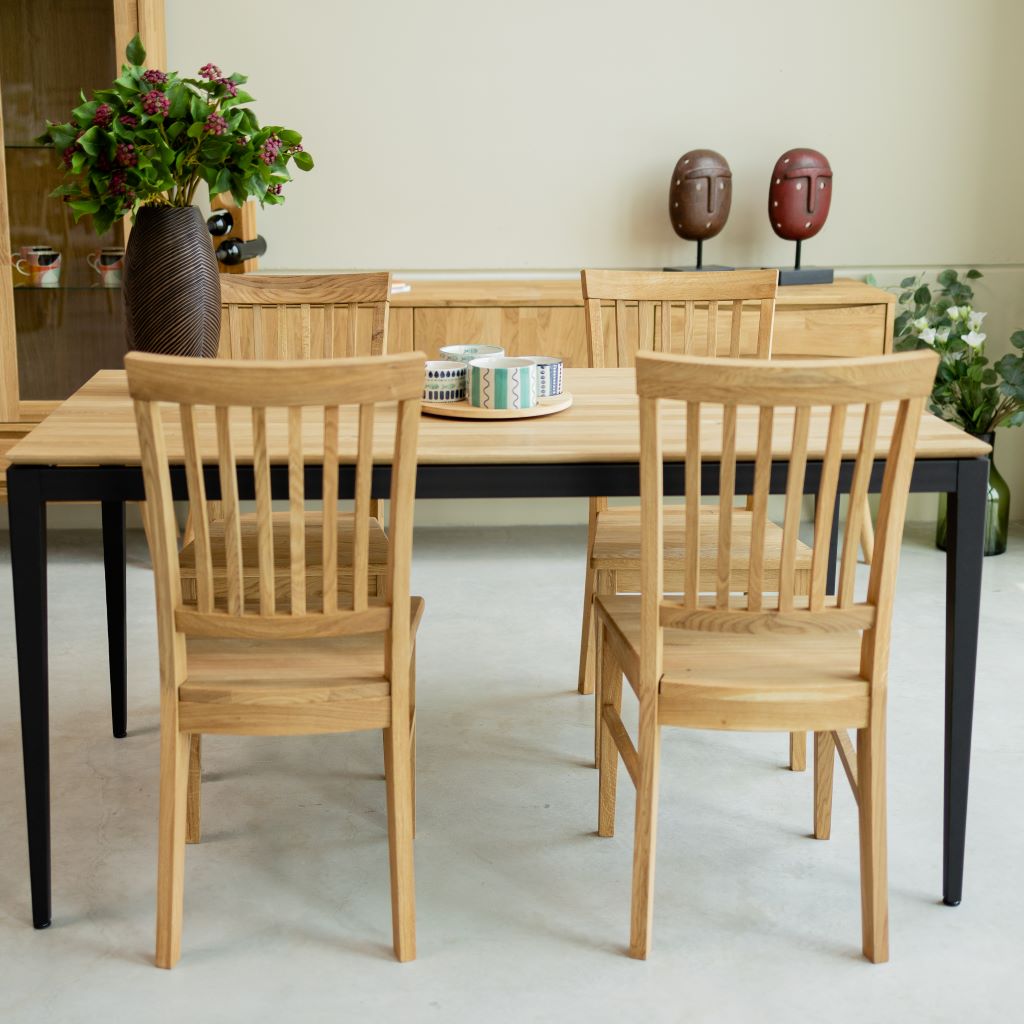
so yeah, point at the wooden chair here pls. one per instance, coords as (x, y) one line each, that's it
(765, 661)
(300, 654)
(660, 312)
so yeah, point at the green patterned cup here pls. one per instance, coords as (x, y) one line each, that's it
(502, 383)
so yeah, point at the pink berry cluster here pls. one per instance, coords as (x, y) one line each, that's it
(275, 189)
(210, 72)
(271, 149)
(154, 77)
(229, 85)
(126, 155)
(68, 153)
(155, 102)
(216, 125)
(129, 120)
(103, 116)
(119, 186)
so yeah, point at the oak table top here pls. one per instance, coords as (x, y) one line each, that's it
(97, 425)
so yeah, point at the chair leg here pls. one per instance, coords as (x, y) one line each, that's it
(798, 751)
(824, 763)
(587, 672)
(867, 534)
(605, 584)
(412, 735)
(194, 804)
(645, 831)
(609, 691)
(398, 769)
(874, 877)
(170, 875)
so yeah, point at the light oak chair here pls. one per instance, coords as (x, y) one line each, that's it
(301, 653)
(765, 661)
(664, 312)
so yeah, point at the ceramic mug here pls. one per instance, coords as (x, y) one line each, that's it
(502, 383)
(549, 375)
(109, 264)
(467, 353)
(445, 381)
(40, 264)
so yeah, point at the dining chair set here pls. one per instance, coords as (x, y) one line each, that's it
(718, 616)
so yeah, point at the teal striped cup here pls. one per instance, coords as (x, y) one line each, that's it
(502, 383)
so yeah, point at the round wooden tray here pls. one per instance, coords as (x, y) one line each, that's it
(465, 411)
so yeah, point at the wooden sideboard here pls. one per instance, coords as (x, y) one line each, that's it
(847, 318)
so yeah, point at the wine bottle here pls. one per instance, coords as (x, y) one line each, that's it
(233, 251)
(220, 222)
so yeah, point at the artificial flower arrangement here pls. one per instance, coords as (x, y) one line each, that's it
(968, 391)
(153, 136)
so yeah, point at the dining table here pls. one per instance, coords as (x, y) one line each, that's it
(87, 450)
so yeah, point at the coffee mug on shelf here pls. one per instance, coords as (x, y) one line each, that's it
(549, 375)
(109, 264)
(40, 264)
(502, 383)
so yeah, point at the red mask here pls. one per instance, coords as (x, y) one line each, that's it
(800, 194)
(700, 195)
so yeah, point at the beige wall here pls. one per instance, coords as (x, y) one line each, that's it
(538, 135)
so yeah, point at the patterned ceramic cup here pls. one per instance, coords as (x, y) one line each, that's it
(502, 383)
(41, 266)
(467, 353)
(109, 264)
(549, 375)
(445, 381)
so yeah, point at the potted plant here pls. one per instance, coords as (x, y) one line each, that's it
(968, 391)
(142, 148)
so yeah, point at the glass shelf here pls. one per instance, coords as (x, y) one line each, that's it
(25, 145)
(18, 288)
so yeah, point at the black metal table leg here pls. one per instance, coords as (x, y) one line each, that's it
(965, 536)
(114, 570)
(27, 517)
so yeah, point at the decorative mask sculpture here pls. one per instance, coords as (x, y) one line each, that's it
(699, 197)
(799, 198)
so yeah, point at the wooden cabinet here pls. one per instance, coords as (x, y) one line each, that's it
(847, 318)
(53, 339)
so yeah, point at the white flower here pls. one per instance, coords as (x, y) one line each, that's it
(973, 338)
(928, 335)
(920, 324)
(974, 320)
(942, 334)
(953, 312)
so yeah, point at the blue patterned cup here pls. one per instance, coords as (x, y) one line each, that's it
(445, 381)
(502, 383)
(549, 375)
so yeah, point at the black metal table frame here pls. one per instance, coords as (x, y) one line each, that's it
(32, 487)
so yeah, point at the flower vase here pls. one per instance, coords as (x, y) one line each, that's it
(997, 509)
(171, 284)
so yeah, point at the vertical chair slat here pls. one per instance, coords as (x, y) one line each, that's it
(361, 531)
(235, 332)
(765, 328)
(826, 504)
(282, 331)
(306, 332)
(257, 332)
(229, 501)
(736, 326)
(794, 499)
(692, 569)
(330, 510)
(665, 337)
(621, 335)
(759, 508)
(726, 490)
(264, 512)
(296, 511)
(857, 507)
(689, 312)
(712, 328)
(595, 332)
(329, 331)
(645, 326)
(379, 330)
(197, 504)
(353, 323)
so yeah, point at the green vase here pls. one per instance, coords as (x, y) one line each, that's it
(997, 509)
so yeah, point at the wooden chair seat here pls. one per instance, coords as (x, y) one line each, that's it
(283, 687)
(755, 681)
(617, 549)
(314, 556)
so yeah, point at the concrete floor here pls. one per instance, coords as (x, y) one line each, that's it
(523, 911)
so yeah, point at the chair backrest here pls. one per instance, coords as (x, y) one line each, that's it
(259, 414)
(320, 316)
(678, 312)
(765, 412)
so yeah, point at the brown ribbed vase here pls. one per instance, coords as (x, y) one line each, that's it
(171, 284)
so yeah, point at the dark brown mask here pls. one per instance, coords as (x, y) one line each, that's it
(800, 194)
(700, 195)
